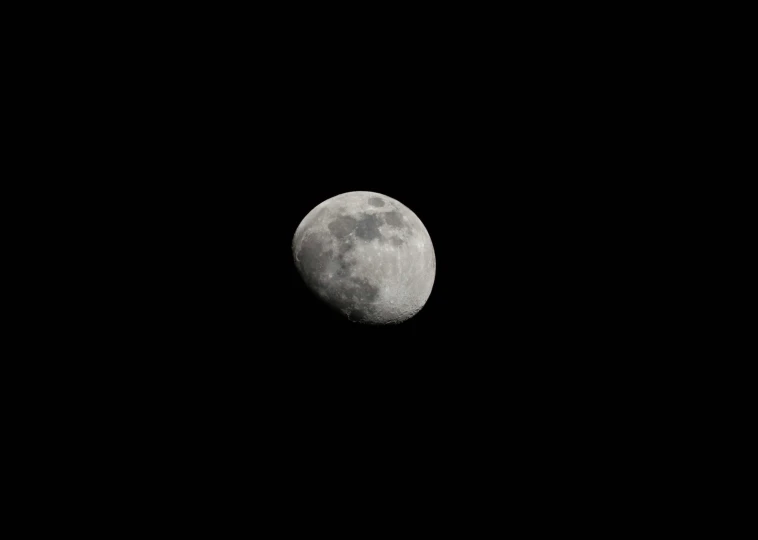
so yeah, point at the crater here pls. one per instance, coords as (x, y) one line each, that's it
(344, 269)
(342, 226)
(396, 241)
(376, 201)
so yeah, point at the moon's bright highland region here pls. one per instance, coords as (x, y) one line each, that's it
(366, 255)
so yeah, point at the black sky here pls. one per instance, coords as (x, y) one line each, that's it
(502, 142)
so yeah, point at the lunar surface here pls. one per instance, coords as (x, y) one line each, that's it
(366, 255)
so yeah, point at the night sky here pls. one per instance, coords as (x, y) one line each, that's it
(498, 141)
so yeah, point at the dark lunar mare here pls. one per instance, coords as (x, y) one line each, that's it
(342, 226)
(368, 227)
(394, 219)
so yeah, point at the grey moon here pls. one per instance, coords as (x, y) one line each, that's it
(366, 255)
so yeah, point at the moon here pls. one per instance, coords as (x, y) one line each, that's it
(366, 255)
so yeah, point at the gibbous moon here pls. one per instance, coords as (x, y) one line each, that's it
(366, 255)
